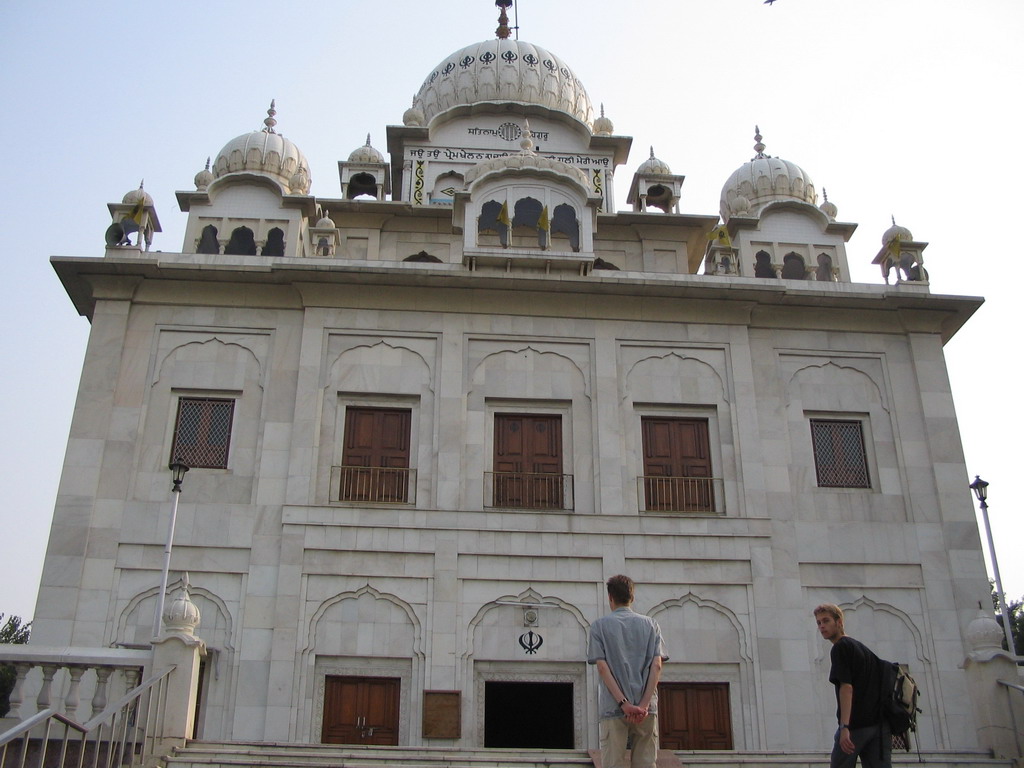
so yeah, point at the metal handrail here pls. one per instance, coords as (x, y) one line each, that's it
(1008, 684)
(128, 709)
(528, 490)
(373, 485)
(664, 493)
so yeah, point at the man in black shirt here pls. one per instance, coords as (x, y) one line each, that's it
(857, 675)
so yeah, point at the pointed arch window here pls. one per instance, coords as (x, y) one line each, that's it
(362, 185)
(494, 218)
(242, 243)
(824, 271)
(275, 243)
(527, 214)
(208, 240)
(763, 265)
(793, 267)
(564, 222)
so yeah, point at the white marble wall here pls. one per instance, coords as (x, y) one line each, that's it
(293, 587)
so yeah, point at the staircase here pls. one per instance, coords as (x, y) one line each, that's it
(210, 754)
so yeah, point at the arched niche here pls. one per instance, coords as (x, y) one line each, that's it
(445, 187)
(363, 633)
(242, 242)
(208, 242)
(707, 642)
(197, 364)
(380, 373)
(854, 390)
(497, 630)
(794, 267)
(275, 242)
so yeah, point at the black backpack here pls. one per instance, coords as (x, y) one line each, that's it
(899, 700)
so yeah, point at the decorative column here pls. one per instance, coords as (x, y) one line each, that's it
(986, 664)
(178, 647)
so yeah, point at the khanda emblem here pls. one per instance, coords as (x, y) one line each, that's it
(531, 641)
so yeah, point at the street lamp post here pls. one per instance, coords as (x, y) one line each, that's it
(980, 488)
(178, 469)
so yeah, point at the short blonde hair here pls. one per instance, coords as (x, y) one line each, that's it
(832, 610)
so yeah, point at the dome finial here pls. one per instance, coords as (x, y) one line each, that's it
(603, 126)
(503, 31)
(828, 208)
(893, 219)
(367, 140)
(527, 142)
(270, 122)
(758, 145)
(652, 151)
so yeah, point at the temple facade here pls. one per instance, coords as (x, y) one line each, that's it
(426, 418)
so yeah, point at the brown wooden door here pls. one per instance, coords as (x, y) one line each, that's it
(361, 710)
(679, 451)
(694, 716)
(528, 461)
(378, 439)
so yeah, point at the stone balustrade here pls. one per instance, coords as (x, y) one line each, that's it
(68, 678)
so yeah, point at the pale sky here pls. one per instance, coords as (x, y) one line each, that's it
(908, 108)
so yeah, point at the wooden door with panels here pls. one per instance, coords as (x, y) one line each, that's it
(375, 459)
(361, 710)
(528, 461)
(677, 465)
(694, 716)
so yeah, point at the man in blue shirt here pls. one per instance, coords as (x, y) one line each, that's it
(628, 651)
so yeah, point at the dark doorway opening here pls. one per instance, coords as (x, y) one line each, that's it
(528, 715)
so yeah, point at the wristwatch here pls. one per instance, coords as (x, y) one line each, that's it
(844, 725)
(623, 700)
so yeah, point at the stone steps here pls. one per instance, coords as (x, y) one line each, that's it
(203, 754)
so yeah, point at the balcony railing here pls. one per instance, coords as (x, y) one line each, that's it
(374, 485)
(680, 494)
(528, 490)
(125, 734)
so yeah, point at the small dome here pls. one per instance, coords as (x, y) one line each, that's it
(766, 179)
(984, 632)
(652, 166)
(896, 231)
(326, 222)
(603, 126)
(366, 154)
(503, 71)
(413, 117)
(181, 616)
(268, 153)
(739, 206)
(135, 195)
(827, 207)
(204, 178)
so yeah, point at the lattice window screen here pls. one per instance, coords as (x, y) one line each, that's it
(202, 434)
(839, 455)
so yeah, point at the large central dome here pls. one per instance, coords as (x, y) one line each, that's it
(502, 71)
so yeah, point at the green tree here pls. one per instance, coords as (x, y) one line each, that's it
(12, 631)
(1015, 609)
